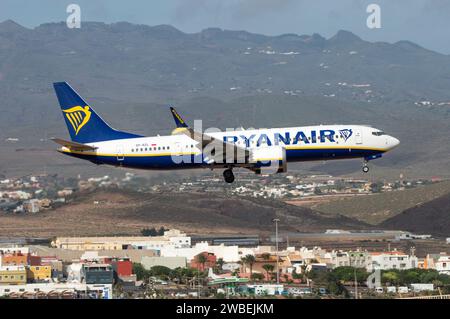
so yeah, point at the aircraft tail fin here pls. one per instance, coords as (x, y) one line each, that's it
(178, 120)
(83, 123)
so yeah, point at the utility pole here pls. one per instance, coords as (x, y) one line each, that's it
(276, 220)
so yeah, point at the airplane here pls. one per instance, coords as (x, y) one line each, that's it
(258, 150)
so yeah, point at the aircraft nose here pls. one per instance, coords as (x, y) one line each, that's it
(394, 142)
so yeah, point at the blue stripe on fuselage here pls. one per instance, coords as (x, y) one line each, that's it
(195, 161)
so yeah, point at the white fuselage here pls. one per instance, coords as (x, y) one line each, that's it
(322, 142)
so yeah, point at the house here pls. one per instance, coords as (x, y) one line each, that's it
(391, 260)
(39, 273)
(15, 258)
(98, 274)
(443, 264)
(13, 275)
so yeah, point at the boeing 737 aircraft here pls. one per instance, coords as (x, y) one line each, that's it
(258, 150)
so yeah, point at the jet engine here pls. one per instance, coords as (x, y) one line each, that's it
(268, 160)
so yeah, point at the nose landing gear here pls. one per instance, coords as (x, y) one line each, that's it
(365, 167)
(228, 175)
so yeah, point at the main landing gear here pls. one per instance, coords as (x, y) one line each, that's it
(365, 167)
(228, 175)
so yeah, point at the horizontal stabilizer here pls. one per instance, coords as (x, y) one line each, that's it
(74, 146)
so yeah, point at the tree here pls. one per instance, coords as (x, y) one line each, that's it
(249, 260)
(149, 232)
(161, 231)
(346, 274)
(202, 259)
(220, 263)
(160, 271)
(269, 269)
(140, 272)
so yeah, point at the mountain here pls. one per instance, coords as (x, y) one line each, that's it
(125, 212)
(378, 208)
(131, 73)
(428, 218)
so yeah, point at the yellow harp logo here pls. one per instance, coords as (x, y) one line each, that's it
(78, 117)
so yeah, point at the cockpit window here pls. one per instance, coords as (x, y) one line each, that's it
(378, 133)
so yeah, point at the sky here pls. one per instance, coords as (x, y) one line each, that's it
(425, 22)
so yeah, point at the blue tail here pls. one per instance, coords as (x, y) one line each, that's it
(84, 125)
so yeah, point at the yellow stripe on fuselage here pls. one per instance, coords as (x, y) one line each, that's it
(126, 155)
(190, 153)
(336, 147)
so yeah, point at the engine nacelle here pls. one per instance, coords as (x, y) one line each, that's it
(268, 160)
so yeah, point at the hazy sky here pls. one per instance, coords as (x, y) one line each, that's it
(426, 22)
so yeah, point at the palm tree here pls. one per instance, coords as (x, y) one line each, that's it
(201, 259)
(268, 268)
(220, 263)
(250, 260)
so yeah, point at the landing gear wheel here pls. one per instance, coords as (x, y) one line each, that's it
(365, 169)
(228, 175)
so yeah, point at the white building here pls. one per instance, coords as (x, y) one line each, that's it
(442, 265)
(338, 258)
(227, 253)
(391, 260)
(75, 273)
(172, 238)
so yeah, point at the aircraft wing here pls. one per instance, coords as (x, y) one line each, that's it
(74, 146)
(216, 150)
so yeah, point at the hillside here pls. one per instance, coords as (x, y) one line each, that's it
(120, 212)
(432, 217)
(377, 208)
(131, 73)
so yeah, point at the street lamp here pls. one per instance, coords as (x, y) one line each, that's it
(276, 220)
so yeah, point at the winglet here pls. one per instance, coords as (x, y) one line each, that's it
(178, 120)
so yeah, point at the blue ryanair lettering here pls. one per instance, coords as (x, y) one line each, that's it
(263, 138)
(247, 140)
(300, 136)
(313, 137)
(279, 138)
(327, 134)
(230, 139)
